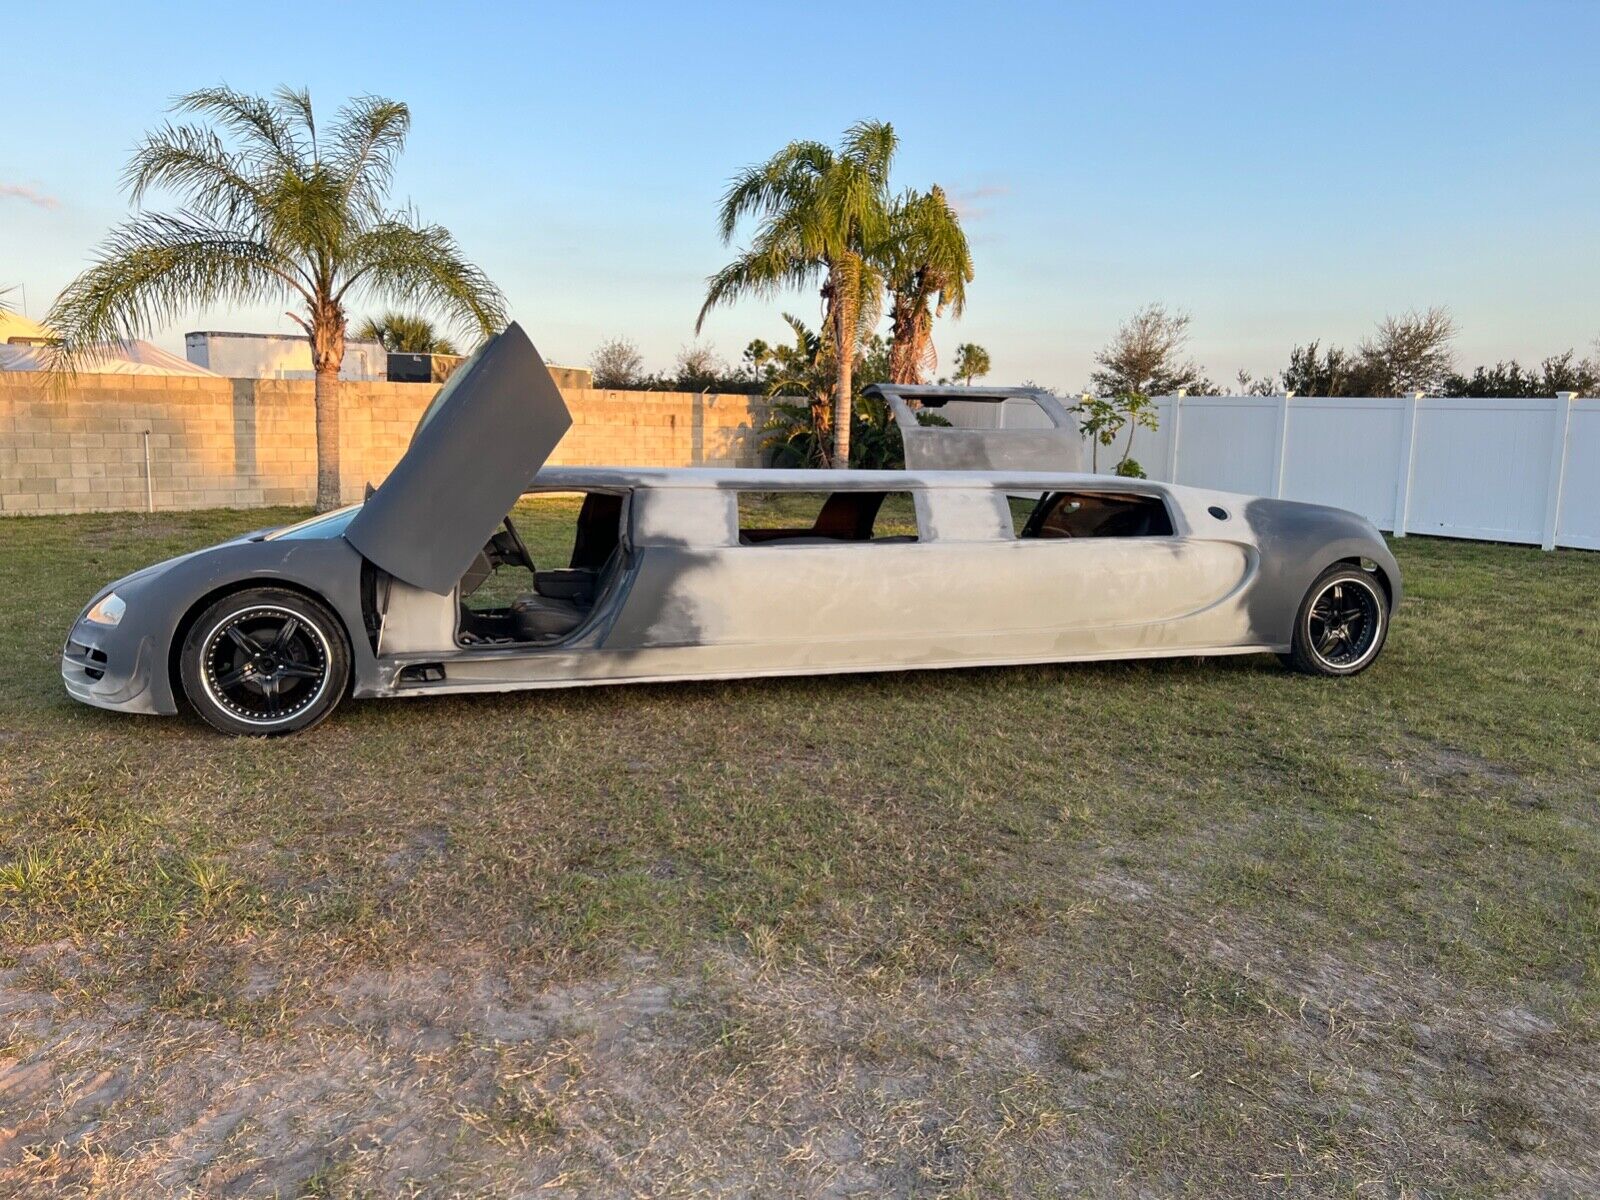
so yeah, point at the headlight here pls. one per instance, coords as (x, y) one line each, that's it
(107, 610)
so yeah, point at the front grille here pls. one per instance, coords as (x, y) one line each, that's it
(91, 659)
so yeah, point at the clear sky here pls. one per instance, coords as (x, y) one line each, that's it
(1282, 171)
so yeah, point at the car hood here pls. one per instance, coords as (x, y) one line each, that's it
(485, 435)
(128, 585)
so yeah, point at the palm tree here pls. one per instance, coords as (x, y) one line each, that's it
(972, 362)
(820, 211)
(405, 333)
(797, 434)
(286, 212)
(927, 265)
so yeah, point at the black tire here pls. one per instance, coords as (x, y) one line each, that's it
(1341, 624)
(264, 662)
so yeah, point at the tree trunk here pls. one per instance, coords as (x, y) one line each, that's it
(822, 422)
(327, 405)
(911, 356)
(902, 341)
(844, 348)
(327, 356)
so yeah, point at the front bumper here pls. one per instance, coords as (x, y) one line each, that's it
(108, 671)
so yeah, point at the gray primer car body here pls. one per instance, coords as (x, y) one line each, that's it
(688, 598)
(990, 446)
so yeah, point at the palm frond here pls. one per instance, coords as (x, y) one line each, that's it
(871, 145)
(370, 134)
(806, 343)
(770, 267)
(268, 138)
(405, 333)
(771, 187)
(308, 213)
(422, 264)
(155, 268)
(193, 162)
(295, 103)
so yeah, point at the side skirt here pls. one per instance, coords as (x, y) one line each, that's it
(447, 687)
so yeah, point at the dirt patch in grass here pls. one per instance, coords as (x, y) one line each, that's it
(738, 1074)
(1424, 763)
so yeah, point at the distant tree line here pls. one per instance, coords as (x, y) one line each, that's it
(1406, 354)
(618, 363)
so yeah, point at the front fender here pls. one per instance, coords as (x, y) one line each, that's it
(125, 666)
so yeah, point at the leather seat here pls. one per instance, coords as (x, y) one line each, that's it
(537, 618)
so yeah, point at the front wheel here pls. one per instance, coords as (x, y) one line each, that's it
(1341, 624)
(266, 661)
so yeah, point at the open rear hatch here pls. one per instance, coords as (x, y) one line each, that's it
(475, 450)
(983, 428)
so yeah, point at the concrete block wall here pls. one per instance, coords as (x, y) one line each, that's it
(81, 446)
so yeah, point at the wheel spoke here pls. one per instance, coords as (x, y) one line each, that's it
(232, 678)
(294, 670)
(243, 640)
(281, 642)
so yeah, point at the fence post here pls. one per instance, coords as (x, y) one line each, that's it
(1408, 461)
(1558, 466)
(1172, 436)
(1283, 445)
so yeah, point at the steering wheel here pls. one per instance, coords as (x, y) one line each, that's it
(522, 546)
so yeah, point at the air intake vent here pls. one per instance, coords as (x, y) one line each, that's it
(91, 660)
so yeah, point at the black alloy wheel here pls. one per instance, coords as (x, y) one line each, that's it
(265, 661)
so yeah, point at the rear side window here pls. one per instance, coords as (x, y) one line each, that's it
(1014, 412)
(1092, 515)
(812, 518)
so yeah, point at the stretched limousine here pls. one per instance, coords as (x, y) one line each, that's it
(429, 586)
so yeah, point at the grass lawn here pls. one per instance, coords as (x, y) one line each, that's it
(1165, 928)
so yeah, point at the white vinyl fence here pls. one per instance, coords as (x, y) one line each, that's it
(1500, 470)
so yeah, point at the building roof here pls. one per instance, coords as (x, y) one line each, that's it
(115, 358)
(14, 324)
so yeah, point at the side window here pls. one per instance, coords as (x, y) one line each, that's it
(1091, 515)
(1014, 412)
(813, 518)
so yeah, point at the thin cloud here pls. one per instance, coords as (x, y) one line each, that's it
(969, 203)
(28, 195)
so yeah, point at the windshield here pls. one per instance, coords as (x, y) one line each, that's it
(323, 525)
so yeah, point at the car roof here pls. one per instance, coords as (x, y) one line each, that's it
(763, 479)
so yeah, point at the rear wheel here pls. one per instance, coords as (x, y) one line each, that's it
(1342, 623)
(265, 661)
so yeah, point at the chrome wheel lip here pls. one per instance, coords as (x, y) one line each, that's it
(219, 628)
(1379, 616)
